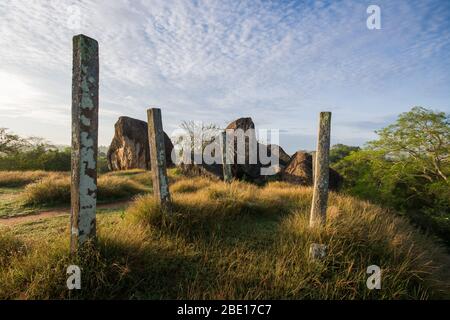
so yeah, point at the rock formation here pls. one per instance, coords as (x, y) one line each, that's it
(282, 156)
(129, 148)
(299, 171)
(251, 170)
(246, 170)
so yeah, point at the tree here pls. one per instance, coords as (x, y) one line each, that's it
(33, 153)
(195, 136)
(340, 151)
(10, 143)
(407, 167)
(419, 138)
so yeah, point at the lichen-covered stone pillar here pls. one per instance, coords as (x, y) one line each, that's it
(158, 157)
(226, 156)
(85, 79)
(321, 172)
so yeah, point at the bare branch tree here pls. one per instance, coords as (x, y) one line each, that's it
(195, 136)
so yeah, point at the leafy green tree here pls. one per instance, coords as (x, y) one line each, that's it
(32, 153)
(340, 151)
(407, 166)
(9, 142)
(419, 138)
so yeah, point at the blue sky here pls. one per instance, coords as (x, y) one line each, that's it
(279, 62)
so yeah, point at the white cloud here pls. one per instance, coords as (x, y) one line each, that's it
(279, 62)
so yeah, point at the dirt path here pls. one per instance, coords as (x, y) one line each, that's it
(56, 212)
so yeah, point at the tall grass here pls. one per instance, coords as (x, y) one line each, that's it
(144, 177)
(232, 241)
(22, 178)
(56, 190)
(264, 234)
(9, 246)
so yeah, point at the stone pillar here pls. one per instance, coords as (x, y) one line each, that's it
(158, 157)
(226, 156)
(321, 172)
(85, 83)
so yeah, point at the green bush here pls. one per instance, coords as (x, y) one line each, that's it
(406, 168)
(41, 158)
(47, 191)
(37, 159)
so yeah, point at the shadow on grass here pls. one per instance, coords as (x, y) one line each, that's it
(237, 224)
(124, 264)
(143, 269)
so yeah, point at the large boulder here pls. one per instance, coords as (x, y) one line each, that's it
(129, 148)
(250, 170)
(278, 153)
(246, 167)
(246, 170)
(299, 171)
(274, 160)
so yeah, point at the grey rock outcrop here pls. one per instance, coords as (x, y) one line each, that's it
(129, 148)
(299, 171)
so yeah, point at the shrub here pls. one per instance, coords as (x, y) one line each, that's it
(37, 159)
(47, 191)
(44, 159)
(406, 168)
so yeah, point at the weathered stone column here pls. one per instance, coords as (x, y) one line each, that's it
(321, 172)
(85, 79)
(158, 157)
(226, 156)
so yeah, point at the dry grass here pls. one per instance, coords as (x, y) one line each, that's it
(235, 241)
(22, 178)
(26, 192)
(264, 234)
(47, 191)
(190, 185)
(144, 177)
(56, 190)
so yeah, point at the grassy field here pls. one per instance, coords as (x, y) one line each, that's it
(236, 241)
(28, 192)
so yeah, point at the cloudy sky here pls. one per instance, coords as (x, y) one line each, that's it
(279, 62)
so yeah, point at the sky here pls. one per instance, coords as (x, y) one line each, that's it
(279, 62)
